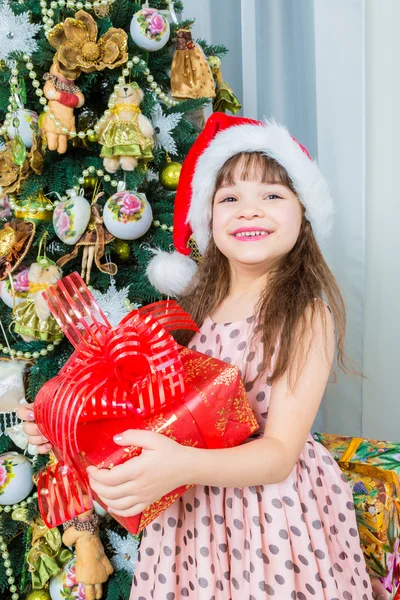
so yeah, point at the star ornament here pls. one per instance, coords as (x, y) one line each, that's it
(17, 33)
(163, 126)
(126, 551)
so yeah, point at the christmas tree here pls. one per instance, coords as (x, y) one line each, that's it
(100, 102)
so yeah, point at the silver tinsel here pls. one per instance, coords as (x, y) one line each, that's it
(16, 32)
(126, 551)
(163, 125)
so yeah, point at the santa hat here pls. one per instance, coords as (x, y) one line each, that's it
(222, 137)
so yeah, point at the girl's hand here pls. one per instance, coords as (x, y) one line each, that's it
(25, 413)
(129, 488)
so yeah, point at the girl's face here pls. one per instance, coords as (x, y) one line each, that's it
(255, 224)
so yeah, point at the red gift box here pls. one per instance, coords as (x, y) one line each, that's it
(133, 376)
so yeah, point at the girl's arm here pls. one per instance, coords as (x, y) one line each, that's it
(291, 414)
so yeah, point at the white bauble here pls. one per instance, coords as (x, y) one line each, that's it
(15, 478)
(127, 215)
(28, 126)
(21, 287)
(70, 218)
(150, 29)
(64, 584)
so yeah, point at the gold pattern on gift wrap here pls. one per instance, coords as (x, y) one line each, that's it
(155, 509)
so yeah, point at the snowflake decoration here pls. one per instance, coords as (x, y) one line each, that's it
(126, 551)
(16, 32)
(114, 303)
(163, 125)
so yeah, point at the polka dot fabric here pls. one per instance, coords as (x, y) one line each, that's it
(296, 539)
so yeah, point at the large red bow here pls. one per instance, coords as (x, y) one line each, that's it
(134, 368)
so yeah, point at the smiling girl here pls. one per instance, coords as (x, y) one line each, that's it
(273, 517)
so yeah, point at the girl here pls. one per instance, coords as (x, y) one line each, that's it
(273, 517)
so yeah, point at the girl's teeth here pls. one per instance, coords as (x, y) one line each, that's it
(249, 233)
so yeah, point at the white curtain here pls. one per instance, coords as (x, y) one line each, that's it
(304, 63)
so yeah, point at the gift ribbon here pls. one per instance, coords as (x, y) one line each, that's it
(135, 365)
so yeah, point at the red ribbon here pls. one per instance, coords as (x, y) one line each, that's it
(134, 368)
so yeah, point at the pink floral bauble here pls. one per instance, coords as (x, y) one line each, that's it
(62, 223)
(156, 24)
(22, 281)
(129, 204)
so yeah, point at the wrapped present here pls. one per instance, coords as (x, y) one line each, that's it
(372, 469)
(133, 376)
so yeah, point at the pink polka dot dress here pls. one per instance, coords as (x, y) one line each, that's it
(296, 539)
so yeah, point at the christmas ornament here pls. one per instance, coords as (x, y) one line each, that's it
(163, 125)
(79, 50)
(114, 303)
(71, 218)
(12, 175)
(20, 439)
(63, 96)
(32, 318)
(99, 510)
(41, 120)
(122, 250)
(15, 478)
(64, 586)
(92, 137)
(15, 291)
(85, 122)
(93, 242)
(46, 556)
(16, 32)
(127, 215)
(149, 29)
(92, 567)
(191, 75)
(126, 135)
(35, 208)
(12, 391)
(126, 550)
(16, 238)
(225, 99)
(27, 127)
(169, 175)
(38, 595)
(90, 182)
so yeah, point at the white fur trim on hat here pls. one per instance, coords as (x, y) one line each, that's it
(170, 273)
(275, 141)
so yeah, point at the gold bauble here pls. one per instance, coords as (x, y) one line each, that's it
(41, 120)
(92, 137)
(33, 208)
(38, 595)
(122, 249)
(90, 182)
(169, 175)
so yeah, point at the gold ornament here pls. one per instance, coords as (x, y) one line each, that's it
(92, 137)
(79, 50)
(38, 595)
(122, 249)
(90, 182)
(191, 75)
(12, 175)
(33, 208)
(169, 175)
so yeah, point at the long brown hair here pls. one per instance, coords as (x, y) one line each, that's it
(301, 277)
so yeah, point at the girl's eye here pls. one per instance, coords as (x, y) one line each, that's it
(228, 199)
(273, 197)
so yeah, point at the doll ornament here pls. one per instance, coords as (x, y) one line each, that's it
(32, 317)
(63, 96)
(126, 135)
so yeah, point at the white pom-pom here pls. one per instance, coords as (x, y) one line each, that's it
(170, 273)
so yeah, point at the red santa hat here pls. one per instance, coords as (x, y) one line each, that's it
(222, 137)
